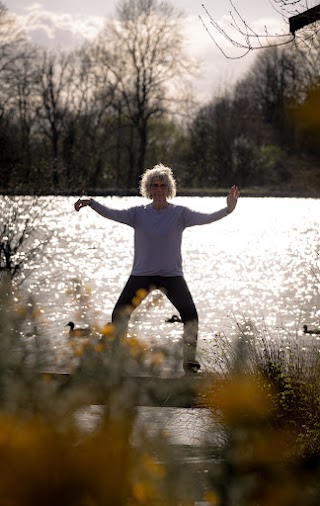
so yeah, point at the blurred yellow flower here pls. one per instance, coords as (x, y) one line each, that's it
(211, 498)
(140, 491)
(141, 293)
(157, 358)
(154, 468)
(21, 311)
(139, 296)
(37, 313)
(135, 346)
(99, 347)
(135, 301)
(108, 330)
(238, 396)
(78, 346)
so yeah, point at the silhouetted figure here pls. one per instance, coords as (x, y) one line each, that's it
(158, 229)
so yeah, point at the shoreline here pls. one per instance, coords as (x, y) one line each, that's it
(254, 193)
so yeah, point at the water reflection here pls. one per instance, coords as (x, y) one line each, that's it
(260, 263)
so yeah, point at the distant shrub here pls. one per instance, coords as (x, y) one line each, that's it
(22, 236)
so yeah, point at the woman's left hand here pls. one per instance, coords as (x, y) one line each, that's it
(232, 198)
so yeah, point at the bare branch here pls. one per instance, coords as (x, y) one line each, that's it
(11, 38)
(220, 48)
(243, 37)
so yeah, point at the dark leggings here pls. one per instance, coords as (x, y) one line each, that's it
(177, 291)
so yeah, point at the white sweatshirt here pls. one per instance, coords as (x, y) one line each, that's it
(158, 234)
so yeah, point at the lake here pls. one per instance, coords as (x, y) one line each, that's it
(261, 264)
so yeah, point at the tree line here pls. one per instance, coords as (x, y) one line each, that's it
(95, 118)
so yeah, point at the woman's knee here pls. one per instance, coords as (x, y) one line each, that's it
(189, 314)
(121, 313)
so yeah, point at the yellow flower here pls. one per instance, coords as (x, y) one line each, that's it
(139, 296)
(139, 491)
(79, 349)
(141, 293)
(99, 348)
(135, 301)
(157, 358)
(153, 467)
(136, 348)
(37, 313)
(237, 396)
(21, 311)
(108, 330)
(212, 498)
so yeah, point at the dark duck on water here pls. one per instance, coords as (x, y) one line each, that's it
(78, 332)
(174, 319)
(310, 331)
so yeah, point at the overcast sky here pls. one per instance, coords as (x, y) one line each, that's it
(67, 23)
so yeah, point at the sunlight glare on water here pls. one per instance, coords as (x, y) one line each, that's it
(260, 263)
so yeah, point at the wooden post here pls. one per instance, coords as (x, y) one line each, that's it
(304, 18)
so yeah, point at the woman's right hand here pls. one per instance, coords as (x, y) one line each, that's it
(82, 203)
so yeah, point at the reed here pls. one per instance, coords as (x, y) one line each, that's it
(266, 403)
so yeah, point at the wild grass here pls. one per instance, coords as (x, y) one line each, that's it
(267, 406)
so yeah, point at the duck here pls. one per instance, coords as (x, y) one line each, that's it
(33, 333)
(78, 332)
(174, 319)
(311, 331)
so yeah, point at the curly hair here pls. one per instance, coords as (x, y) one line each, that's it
(161, 172)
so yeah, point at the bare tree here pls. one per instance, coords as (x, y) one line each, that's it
(11, 49)
(241, 35)
(53, 101)
(20, 82)
(22, 239)
(89, 123)
(143, 49)
(11, 38)
(280, 79)
(14, 55)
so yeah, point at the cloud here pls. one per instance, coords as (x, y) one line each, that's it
(56, 30)
(69, 31)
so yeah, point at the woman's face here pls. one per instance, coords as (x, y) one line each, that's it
(158, 189)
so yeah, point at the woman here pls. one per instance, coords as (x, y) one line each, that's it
(157, 263)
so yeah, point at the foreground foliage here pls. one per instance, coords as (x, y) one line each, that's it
(262, 433)
(46, 446)
(267, 403)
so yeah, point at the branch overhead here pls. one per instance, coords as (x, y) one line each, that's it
(245, 38)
